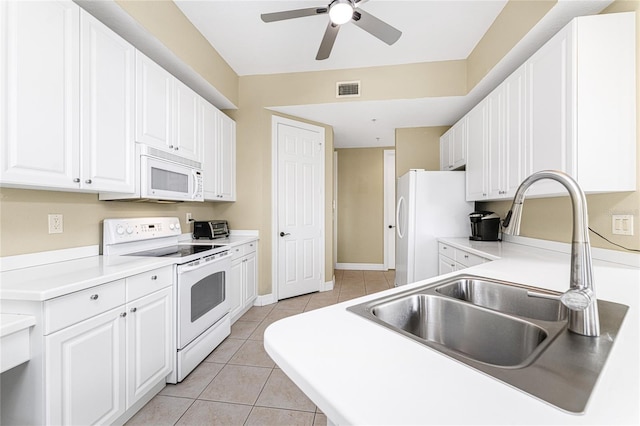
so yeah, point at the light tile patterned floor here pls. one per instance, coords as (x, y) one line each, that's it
(238, 384)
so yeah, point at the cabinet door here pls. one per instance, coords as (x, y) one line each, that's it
(39, 93)
(445, 265)
(227, 158)
(494, 144)
(107, 108)
(150, 348)
(187, 142)
(476, 155)
(235, 288)
(514, 143)
(154, 90)
(209, 137)
(549, 98)
(445, 146)
(250, 281)
(85, 372)
(459, 144)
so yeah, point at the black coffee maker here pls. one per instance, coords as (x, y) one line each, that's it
(485, 226)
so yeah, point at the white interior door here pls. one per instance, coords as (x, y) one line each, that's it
(300, 207)
(390, 209)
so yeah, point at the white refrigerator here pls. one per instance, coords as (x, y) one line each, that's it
(429, 205)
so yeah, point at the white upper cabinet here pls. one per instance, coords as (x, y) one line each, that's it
(477, 186)
(71, 126)
(154, 87)
(39, 93)
(570, 107)
(219, 147)
(107, 71)
(582, 105)
(166, 111)
(453, 145)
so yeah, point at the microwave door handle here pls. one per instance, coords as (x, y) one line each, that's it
(194, 175)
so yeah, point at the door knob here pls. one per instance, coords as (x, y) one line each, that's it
(391, 226)
(282, 234)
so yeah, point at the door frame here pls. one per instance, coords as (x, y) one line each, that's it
(386, 219)
(275, 259)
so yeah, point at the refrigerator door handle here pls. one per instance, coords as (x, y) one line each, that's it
(399, 229)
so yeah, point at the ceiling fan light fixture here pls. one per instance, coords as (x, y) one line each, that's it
(340, 12)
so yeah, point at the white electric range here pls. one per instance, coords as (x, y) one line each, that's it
(201, 284)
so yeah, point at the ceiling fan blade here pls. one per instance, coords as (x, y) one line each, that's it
(376, 27)
(327, 41)
(290, 14)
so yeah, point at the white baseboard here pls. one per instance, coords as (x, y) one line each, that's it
(361, 266)
(266, 299)
(329, 285)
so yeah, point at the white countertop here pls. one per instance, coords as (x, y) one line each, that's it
(43, 282)
(11, 323)
(360, 373)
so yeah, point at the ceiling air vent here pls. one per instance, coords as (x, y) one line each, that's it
(347, 89)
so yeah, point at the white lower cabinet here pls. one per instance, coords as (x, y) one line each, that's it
(150, 351)
(244, 286)
(85, 371)
(452, 259)
(98, 354)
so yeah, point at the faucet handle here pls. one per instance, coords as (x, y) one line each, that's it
(577, 299)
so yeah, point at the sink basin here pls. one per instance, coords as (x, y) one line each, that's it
(463, 328)
(509, 299)
(494, 327)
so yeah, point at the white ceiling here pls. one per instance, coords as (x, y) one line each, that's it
(432, 30)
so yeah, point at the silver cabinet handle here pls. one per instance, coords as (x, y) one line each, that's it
(87, 181)
(466, 256)
(94, 297)
(76, 180)
(123, 314)
(133, 309)
(154, 277)
(176, 148)
(170, 146)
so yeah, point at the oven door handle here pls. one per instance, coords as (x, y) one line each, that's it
(188, 268)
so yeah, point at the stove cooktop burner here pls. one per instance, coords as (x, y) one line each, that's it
(176, 251)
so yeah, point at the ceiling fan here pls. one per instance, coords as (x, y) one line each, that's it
(340, 12)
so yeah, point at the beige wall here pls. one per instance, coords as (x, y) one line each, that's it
(550, 218)
(360, 205)
(168, 24)
(418, 148)
(23, 218)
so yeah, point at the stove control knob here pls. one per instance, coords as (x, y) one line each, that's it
(129, 230)
(120, 230)
(171, 226)
(178, 225)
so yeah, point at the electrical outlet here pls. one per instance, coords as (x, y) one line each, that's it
(622, 224)
(55, 224)
(189, 217)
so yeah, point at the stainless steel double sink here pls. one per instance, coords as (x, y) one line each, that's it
(496, 327)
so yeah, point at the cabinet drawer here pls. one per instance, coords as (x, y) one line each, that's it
(250, 247)
(237, 252)
(66, 310)
(148, 282)
(468, 259)
(446, 250)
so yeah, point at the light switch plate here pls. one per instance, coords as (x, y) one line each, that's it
(622, 224)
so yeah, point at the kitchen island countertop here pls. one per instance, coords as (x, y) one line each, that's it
(358, 372)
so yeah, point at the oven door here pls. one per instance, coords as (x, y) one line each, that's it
(203, 295)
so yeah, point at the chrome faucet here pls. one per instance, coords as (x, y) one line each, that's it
(581, 296)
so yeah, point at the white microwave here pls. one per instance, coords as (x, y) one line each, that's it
(161, 177)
